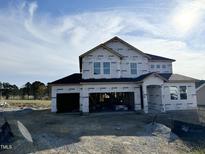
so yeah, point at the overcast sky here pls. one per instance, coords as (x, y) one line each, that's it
(41, 40)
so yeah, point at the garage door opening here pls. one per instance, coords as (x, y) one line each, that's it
(68, 102)
(115, 101)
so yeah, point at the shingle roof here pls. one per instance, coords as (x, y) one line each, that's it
(155, 57)
(176, 77)
(199, 83)
(71, 79)
(77, 78)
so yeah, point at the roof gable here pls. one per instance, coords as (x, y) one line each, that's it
(94, 49)
(102, 46)
(149, 56)
(114, 39)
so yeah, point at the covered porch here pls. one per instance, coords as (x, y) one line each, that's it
(153, 93)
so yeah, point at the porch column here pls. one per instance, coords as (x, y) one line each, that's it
(145, 101)
(162, 99)
(84, 101)
(53, 104)
(53, 100)
(137, 99)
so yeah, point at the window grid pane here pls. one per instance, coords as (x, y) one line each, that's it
(133, 67)
(106, 67)
(97, 68)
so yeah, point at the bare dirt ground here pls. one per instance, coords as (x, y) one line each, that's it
(94, 133)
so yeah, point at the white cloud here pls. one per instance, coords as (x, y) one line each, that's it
(45, 48)
(187, 15)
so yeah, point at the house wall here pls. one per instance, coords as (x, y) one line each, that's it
(86, 89)
(119, 68)
(201, 96)
(100, 55)
(168, 66)
(130, 56)
(179, 104)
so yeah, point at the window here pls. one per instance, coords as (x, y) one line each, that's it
(183, 92)
(106, 67)
(133, 67)
(173, 92)
(158, 66)
(163, 66)
(152, 66)
(96, 68)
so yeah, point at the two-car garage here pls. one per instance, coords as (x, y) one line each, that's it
(98, 102)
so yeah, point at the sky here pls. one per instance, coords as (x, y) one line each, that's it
(42, 39)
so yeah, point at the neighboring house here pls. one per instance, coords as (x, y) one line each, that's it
(200, 92)
(116, 76)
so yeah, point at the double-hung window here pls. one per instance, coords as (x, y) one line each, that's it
(106, 67)
(183, 92)
(133, 67)
(96, 68)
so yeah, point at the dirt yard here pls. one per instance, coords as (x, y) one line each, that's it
(27, 103)
(94, 133)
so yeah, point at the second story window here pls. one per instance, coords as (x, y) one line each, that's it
(106, 67)
(96, 68)
(133, 67)
(158, 66)
(152, 66)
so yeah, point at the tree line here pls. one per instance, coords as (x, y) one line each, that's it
(35, 90)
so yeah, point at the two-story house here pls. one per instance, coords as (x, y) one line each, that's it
(116, 76)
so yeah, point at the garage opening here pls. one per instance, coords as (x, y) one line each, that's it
(114, 101)
(69, 102)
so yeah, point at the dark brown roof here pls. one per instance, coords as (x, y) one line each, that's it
(71, 79)
(77, 78)
(199, 83)
(155, 57)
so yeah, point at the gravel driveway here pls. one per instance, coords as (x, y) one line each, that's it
(94, 133)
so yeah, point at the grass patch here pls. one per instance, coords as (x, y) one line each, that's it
(29, 103)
